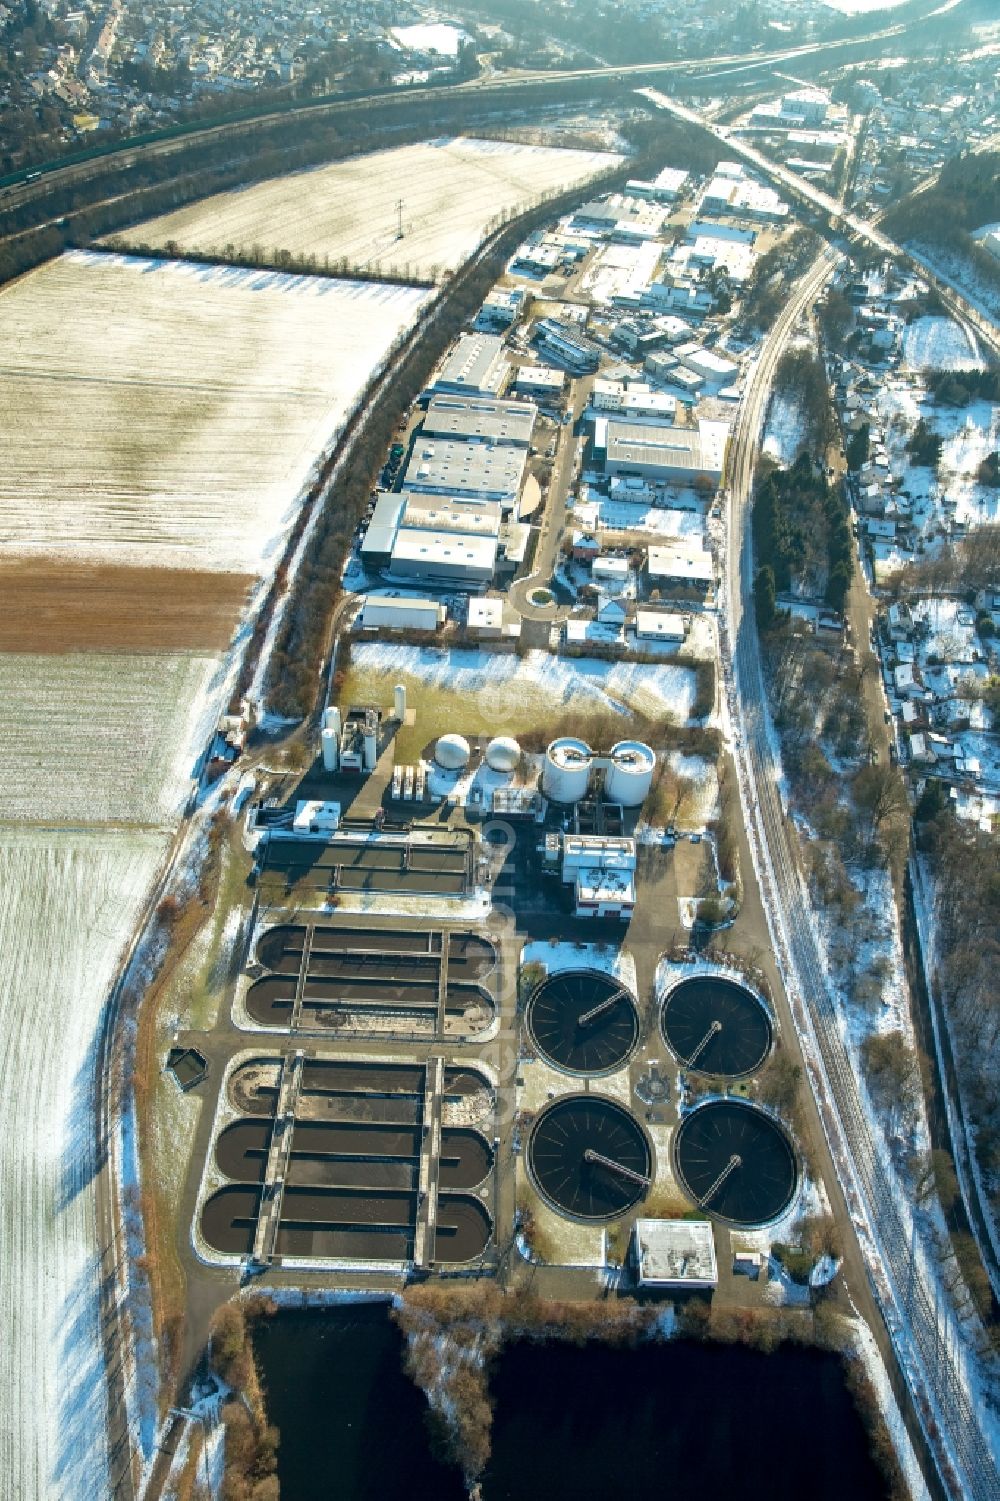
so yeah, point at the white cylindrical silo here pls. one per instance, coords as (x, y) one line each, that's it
(399, 701)
(331, 720)
(566, 771)
(330, 741)
(630, 775)
(371, 749)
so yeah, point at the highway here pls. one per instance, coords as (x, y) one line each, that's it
(50, 176)
(932, 1350)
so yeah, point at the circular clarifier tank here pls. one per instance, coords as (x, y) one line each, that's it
(716, 1026)
(590, 1158)
(583, 1021)
(736, 1163)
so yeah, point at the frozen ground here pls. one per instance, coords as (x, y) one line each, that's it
(783, 430)
(511, 688)
(96, 738)
(431, 37)
(68, 902)
(159, 413)
(969, 434)
(451, 189)
(939, 344)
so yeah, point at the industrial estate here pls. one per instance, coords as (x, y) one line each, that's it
(501, 759)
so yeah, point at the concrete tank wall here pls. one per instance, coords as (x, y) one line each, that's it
(331, 720)
(566, 771)
(630, 774)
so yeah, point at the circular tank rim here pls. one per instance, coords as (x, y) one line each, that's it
(588, 1098)
(663, 1001)
(643, 753)
(772, 1120)
(568, 743)
(589, 1073)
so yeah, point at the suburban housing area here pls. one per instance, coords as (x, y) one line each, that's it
(501, 748)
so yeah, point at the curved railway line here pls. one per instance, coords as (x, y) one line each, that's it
(930, 1345)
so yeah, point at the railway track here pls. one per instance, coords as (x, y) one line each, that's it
(932, 1348)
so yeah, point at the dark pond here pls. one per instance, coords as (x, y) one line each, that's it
(673, 1419)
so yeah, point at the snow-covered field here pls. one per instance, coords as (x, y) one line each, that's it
(68, 902)
(517, 690)
(97, 738)
(451, 189)
(783, 430)
(429, 37)
(159, 413)
(939, 344)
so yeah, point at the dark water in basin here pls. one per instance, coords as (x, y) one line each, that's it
(586, 1425)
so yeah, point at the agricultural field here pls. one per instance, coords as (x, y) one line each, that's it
(68, 903)
(96, 738)
(486, 693)
(159, 414)
(450, 188)
(56, 605)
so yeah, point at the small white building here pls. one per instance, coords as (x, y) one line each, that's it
(316, 819)
(402, 614)
(540, 381)
(611, 572)
(601, 870)
(675, 1255)
(485, 618)
(660, 625)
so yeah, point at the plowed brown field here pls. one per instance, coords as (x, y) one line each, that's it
(51, 606)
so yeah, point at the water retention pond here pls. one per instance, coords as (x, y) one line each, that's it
(677, 1418)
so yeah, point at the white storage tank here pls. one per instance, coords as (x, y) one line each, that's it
(503, 754)
(331, 720)
(630, 775)
(452, 752)
(399, 702)
(371, 748)
(330, 740)
(566, 772)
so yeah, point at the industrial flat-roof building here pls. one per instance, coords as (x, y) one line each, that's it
(558, 341)
(402, 614)
(680, 455)
(714, 369)
(659, 625)
(466, 471)
(475, 363)
(475, 419)
(681, 565)
(433, 539)
(540, 381)
(675, 1255)
(601, 871)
